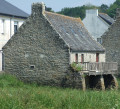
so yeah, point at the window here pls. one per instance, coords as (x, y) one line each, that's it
(76, 58)
(32, 67)
(99, 40)
(15, 26)
(82, 58)
(97, 57)
(2, 26)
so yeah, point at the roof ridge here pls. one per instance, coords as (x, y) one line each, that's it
(69, 17)
(62, 15)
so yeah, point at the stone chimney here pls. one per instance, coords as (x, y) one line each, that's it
(38, 8)
(117, 13)
(91, 12)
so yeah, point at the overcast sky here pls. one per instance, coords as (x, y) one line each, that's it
(57, 5)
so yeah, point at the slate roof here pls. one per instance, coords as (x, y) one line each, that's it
(9, 10)
(106, 18)
(73, 33)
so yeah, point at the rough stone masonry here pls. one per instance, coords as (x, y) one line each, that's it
(111, 42)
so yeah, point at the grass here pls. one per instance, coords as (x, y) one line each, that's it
(17, 95)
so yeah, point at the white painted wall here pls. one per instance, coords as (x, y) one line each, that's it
(8, 31)
(95, 25)
(88, 57)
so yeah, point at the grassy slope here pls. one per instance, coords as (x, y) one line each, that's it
(17, 95)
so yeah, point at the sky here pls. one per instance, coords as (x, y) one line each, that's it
(57, 5)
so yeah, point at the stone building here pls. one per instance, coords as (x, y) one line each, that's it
(97, 23)
(46, 44)
(11, 18)
(111, 41)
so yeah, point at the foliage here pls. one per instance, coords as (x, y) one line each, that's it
(112, 9)
(28, 96)
(76, 66)
(49, 9)
(103, 8)
(74, 12)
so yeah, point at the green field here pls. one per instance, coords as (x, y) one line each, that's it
(17, 95)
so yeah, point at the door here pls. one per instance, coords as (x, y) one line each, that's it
(82, 58)
(97, 57)
(76, 58)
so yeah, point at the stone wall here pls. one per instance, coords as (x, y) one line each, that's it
(111, 42)
(74, 80)
(36, 52)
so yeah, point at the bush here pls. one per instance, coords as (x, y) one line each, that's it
(76, 66)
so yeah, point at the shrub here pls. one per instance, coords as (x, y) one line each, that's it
(76, 66)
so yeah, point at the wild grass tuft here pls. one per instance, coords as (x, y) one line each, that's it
(7, 80)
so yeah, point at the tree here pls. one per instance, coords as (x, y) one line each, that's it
(74, 12)
(103, 8)
(48, 9)
(112, 9)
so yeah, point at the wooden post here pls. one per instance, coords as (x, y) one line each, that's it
(114, 82)
(99, 82)
(83, 82)
(102, 83)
